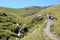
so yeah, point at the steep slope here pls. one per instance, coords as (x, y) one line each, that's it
(38, 34)
(8, 19)
(55, 12)
(35, 30)
(8, 22)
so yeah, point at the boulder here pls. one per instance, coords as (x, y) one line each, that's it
(54, 18)
(40, 18)
(25, 29)
(3, 14)
(3, 37)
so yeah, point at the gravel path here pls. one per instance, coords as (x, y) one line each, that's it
(47, 31)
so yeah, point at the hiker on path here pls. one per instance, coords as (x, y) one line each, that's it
(49, 16)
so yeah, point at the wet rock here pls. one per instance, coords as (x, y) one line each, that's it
(25, 29)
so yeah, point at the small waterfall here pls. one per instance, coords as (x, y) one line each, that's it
(19, 29)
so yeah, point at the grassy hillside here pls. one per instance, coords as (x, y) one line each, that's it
(38, 34)
(28, 17)
(8, 17)
(55, 12)
(24, 11)
(8, 23)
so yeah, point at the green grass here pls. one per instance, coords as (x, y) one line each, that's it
(37, 33)
(35, 30)
(24, 11)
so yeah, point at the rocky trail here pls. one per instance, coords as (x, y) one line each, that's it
(47, 31)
